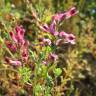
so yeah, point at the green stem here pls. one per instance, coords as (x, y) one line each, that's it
(81, 4)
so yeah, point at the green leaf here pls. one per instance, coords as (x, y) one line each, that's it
(48, 49)
(38, 89)
(8, 7)
(49, 80)
(17, 15)
(42, 55)
(32, 54)
(25, 74)
(57, 71)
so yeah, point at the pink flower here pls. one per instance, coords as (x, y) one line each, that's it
(47, 41)
(24, 51)
(26, 44)
(45, 28)
(53, 57)
(65, 15)
(11, 46)
(20, 29)
(19, 36)
(71, 39)
(53, 28)
(45, 62)
(59, 16)
(13, 37)
(71, 12)
(63, 34)
(25, 55)
(15, 62)
(55, 33)
(59, 41)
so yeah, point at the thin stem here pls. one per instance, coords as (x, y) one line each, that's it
(81, 4)
(9, 52)
(2, 69)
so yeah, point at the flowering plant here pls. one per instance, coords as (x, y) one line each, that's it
(36, 69)
(44, 52)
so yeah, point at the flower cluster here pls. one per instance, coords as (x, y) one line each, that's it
(18, 38)
(66, 15)
(61, 36)
(68, 38)
(18, 42)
